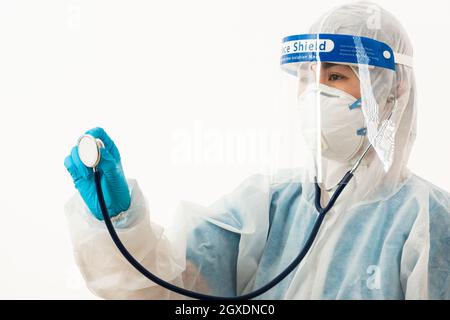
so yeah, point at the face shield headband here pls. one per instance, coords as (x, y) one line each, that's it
(338, 48)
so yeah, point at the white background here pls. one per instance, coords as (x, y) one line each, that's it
(145, 70)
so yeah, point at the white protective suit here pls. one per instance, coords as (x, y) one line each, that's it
(388, 237)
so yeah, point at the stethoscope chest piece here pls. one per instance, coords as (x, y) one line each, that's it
(89, 150)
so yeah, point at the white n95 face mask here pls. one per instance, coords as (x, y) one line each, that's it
(342, 125)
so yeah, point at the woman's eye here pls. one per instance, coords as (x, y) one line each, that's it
(335, 77)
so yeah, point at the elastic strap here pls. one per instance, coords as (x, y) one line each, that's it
(403, 59)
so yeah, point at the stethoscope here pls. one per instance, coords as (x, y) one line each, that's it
(89, 151)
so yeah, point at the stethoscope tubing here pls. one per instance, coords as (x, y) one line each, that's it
(200, 296)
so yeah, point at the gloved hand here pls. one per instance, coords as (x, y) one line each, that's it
(113, 181)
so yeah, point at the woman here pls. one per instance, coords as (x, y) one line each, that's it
(387, 237)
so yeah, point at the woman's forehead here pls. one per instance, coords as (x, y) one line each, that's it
(329, 65)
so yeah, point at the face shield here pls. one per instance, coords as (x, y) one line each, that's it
(346, 97)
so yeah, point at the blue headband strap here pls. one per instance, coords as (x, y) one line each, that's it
(335, 48)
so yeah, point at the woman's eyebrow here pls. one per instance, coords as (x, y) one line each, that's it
(328, 65)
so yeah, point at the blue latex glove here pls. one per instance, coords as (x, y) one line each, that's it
(113, 181)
